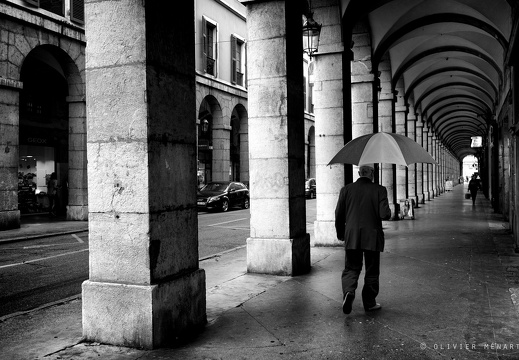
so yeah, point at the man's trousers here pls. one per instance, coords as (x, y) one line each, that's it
(352, 270)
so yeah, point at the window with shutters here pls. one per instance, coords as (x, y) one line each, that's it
(77, 11)
(209, 43)
(237, 60)
(75, 8)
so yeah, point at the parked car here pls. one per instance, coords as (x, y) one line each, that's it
(222, 195)
(310, 188)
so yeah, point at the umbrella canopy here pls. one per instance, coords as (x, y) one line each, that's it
(382, 147)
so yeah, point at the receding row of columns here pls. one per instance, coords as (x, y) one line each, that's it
(145, 286)
(375, 106)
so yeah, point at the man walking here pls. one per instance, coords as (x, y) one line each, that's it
(361, 207)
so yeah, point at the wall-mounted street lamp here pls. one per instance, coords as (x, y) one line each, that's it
(205, 125)
(311, 34)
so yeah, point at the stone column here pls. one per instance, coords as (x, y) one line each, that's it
(329, 135)
(436, 169)
(400, 128)
(278, 242)
(443, 168)
(430, 148)
(361, 109)
(426, 167)
(310, 160)
(385, 123)
(419, 166)
(77, 208)
(9, 153)
(411, 169)
(244, 152)
(221, 152)
(446, 169)
(145, 287)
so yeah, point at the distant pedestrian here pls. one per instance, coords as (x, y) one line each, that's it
(474, 186)
(361, 207)
(52, 192)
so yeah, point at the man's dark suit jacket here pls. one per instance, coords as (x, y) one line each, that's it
(361, 207)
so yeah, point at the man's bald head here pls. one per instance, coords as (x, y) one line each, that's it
(366, 171)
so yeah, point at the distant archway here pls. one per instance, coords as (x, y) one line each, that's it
(48, 74)
(209, 118)
(470, 166)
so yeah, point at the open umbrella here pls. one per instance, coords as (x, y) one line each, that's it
(382, 147)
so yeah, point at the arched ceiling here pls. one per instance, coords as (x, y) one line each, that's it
(449, 54)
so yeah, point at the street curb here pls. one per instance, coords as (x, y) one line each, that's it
(39, 236)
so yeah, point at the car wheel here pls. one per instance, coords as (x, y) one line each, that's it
(245, 204)
(225, 205)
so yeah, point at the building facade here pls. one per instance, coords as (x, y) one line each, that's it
(221, 81)
(45, 127)
(43, 105)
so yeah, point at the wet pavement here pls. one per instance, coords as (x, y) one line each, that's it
(449, 284)
(40, 225)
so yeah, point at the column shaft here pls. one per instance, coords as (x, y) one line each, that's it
(278, 242)
(411, 169)
(419, 166)
(329, 135)
(221, 153)
(385, 123)
(145, 286)
(400, 128)
(77, 208)
(9, 159)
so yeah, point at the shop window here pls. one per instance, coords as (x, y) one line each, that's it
(210, 49)
(237, 60)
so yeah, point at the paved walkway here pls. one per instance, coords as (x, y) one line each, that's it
(38, 225)
(448, 283)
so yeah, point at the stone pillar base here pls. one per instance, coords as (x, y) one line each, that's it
(77, 212)
(144, 316)
(325, 234)
(286, 257)
(9, 219)
(395, 209)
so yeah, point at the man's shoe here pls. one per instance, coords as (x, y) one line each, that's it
(377, 306)
(347, 302)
